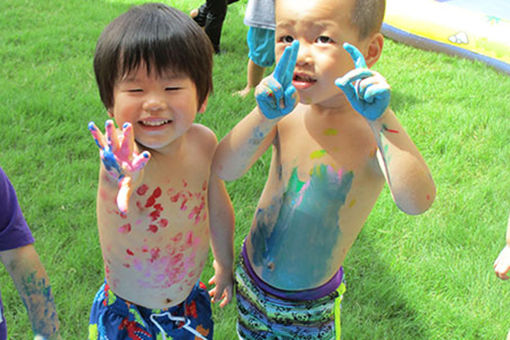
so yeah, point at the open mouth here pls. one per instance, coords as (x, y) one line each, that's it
(303, 78)
(302, 81)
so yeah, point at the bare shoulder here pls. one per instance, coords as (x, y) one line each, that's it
(202, 137)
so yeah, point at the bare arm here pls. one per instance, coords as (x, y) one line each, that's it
(34, 288)
(407, 175)
(250, 138)
(221, 217)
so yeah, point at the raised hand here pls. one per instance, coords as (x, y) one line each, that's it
(119, 158)
(275, 95)
(367, 91)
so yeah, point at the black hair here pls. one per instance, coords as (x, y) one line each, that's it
(158, 36)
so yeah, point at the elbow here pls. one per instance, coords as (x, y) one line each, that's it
(416, 202)
(223, 172)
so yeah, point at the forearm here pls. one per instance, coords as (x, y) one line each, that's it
(221, 219)
(247, 141)
(34, 288)
(406, 172)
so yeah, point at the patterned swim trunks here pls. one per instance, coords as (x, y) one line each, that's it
(112, 317)
(264, 316)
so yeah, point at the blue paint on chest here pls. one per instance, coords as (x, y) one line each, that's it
(294, 238)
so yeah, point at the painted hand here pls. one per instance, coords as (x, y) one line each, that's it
(119, 158)
(275, 95)
(367, 91)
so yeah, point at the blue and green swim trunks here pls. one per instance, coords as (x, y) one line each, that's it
(112, 317)
(264, 315)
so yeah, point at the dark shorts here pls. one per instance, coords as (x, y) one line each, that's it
(261, 44)
(112, 317)
(265, 316)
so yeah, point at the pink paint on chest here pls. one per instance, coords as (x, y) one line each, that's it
(152, 198)
(142, 190)
(187, 198)
(126, 228)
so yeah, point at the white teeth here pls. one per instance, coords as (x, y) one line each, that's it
(155, 123)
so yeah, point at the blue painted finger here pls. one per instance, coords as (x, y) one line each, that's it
(97, 135)
(357, 57)
(284, 70)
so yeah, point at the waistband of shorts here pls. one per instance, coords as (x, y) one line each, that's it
(122, 306)
(298, 295)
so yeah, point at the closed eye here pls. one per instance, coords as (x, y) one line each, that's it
(134, 90)
(172, 88)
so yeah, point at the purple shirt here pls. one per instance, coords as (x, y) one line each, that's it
(14, 231)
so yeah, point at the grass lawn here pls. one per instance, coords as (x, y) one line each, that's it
(408, 277)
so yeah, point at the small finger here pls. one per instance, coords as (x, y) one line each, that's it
(357, 57)
(127, 141)
(97, 135)
(227, 297)
(141, 160)
(111, 135)
(354, 75)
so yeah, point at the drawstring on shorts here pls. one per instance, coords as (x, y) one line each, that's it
(176, 319)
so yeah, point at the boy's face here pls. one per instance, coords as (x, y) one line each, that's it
(321, 26)
(160, 108)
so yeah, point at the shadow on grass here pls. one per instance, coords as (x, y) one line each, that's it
(375, 305)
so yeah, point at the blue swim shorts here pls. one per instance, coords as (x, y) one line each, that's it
(261, 45)
(112, 317)
(265, 316)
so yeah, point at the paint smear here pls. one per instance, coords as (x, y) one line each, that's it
(317, 154)
(300, 230)
(330, 132)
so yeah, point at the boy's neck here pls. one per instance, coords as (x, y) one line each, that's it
(171, 150)
(325, 111)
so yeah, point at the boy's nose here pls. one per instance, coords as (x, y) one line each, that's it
(154, 104)
(304, 56)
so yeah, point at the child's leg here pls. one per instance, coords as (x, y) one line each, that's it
(261, 53)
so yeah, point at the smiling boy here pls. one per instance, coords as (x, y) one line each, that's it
(158, 203)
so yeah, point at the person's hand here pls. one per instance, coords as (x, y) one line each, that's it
(119, 158)
(224, 283)
(367, 91)
(275, 95)
(502, 264)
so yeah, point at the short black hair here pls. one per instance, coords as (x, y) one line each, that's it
(161, 37)
(368, 16)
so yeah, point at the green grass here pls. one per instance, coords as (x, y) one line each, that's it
(408, 277)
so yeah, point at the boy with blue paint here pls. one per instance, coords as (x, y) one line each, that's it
(158, 203)
(335, 142)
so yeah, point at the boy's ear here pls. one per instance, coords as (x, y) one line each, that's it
(374, 50)
(204, 105)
